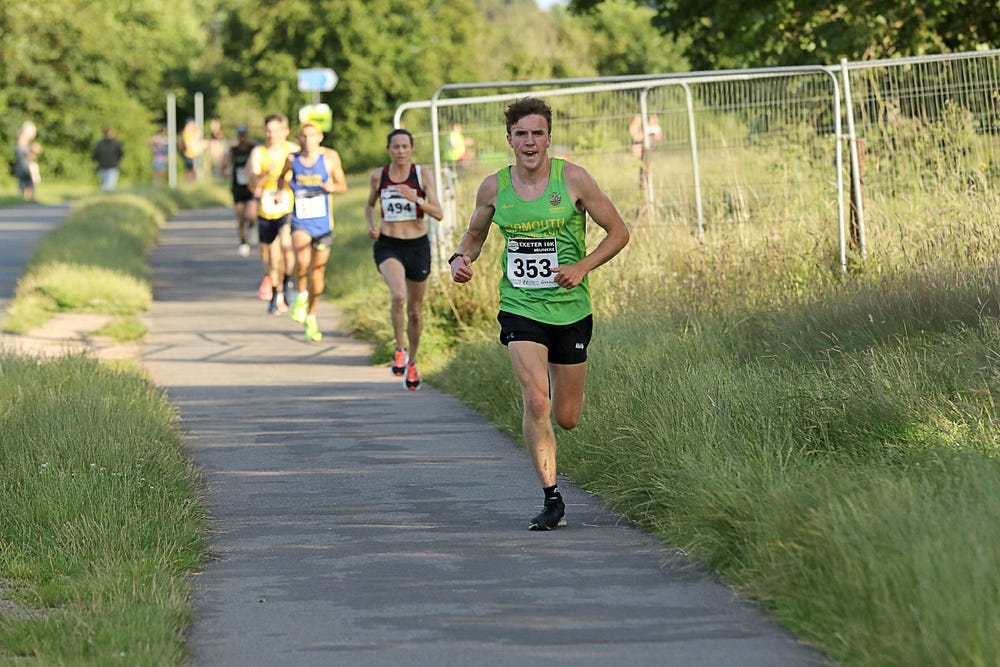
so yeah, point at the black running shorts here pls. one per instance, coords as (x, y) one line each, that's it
(567, 343)
(267, 229)
(413, 254)
(241, 193)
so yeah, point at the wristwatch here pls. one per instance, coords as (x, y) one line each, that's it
(420, 201)
(453, 257)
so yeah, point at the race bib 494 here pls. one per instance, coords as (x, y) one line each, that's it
(396, 207)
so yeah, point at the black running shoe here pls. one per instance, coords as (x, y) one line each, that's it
(290, 292)
(553, 516)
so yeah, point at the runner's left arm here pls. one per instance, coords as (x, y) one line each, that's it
(337, 183)
(590, 198)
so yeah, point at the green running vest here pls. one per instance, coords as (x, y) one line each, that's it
(538, 235)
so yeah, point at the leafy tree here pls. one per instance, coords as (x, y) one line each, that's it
(624, 41)
(384, 52)
(525, 43)
(741, 33)
(74, 67)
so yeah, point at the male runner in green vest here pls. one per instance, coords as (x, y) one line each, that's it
(540, 205)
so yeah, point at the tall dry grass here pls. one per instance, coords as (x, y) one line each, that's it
(825, 441)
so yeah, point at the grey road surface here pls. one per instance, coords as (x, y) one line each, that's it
(356, 523)
(21, 227)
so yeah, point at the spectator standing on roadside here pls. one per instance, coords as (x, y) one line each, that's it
(159, 148)
(26, 152)
(643, 142)
(217, 146)
(108, 154)
(540, 205)
(459, 146)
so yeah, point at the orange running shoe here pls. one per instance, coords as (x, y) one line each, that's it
(399, 363)
(264, 291)
(412, 377)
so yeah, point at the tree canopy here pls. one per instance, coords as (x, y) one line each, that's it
(744, 33)
(74, 67)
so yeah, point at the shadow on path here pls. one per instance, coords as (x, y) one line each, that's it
(357, 523)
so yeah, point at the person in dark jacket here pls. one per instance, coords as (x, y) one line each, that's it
(108, 155)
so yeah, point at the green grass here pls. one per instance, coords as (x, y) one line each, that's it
(825, 442)
(103, 520)
(96, 260)
(47, 193)
(123, 329)
(102, 516)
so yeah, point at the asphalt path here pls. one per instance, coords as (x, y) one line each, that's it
(21, 227)
(356, 523)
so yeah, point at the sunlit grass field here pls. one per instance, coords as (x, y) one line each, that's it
(825, 441)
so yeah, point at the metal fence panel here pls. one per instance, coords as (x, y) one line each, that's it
(721, 152)
(928, 136)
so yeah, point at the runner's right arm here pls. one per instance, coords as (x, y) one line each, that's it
(471, 245)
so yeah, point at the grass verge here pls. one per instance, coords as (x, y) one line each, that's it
(103, 519)
(96, 260)
(826, 443)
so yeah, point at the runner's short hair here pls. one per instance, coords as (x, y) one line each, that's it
(280, 117)
(526, 106)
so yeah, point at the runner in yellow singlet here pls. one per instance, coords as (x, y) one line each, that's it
(274, 212)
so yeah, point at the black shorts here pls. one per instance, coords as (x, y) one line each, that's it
(267, 230)
(413, 254)
(241, 193)
(567, 343)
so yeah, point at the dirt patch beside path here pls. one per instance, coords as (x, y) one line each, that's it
(70, 333)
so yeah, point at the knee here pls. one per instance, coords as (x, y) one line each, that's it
(567, 420)
(537, 407)
(567, 413)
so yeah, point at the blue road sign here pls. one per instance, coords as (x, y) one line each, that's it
(317, 80)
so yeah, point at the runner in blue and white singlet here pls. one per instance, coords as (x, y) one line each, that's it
(314, 174)
(313, 212)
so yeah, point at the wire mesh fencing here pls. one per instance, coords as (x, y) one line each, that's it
(728, 154)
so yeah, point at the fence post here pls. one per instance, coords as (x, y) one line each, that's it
(695, 169)
(172, 141)
(857, 195)
(857, 170)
